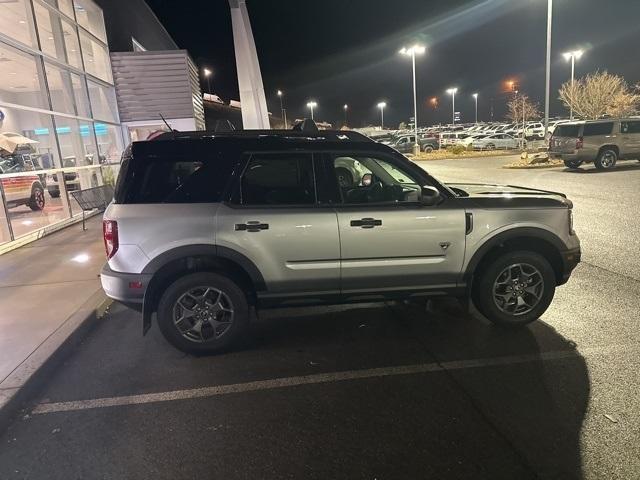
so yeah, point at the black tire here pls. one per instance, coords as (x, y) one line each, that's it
(427, 149)
(345, 177)
(607, 159)
(37, 202)
(483, 288)
(234, 295)
(490, 146)
(572, 163)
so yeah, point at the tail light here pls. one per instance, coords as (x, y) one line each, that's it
(579, 143)
(110, 234)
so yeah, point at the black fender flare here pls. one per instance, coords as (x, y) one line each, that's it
(518, 232)
(198, 250)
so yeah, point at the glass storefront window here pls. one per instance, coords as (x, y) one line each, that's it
(28, 144)
(21, 80)
(27, 133)
(103, 102)
(58, 37)
(77, 143)
(89, 15)
(15, 22)
(67, 90)
(110, 143)
(96, 58)
(65, 6)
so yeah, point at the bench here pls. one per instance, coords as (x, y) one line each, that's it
(92, 198)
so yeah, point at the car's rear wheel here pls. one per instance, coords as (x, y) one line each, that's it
(490, 146)
(427, 149)
(607, 159)
(572, 163)
(515, 288)
(203, 313)
(37, 202)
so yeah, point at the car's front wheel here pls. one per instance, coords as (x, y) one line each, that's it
(515, 288)
(427, 149)
(203, 313)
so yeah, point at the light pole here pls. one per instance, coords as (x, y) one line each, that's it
(311, 105)
(547, 87)
(412, 51)
(381, 106)
(207, 75)
(475, 97)
(345, 108)
(573, 56)
(284, 112)
(452, 92)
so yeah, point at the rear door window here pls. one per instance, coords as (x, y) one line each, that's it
(572, 131)
(593, 129)
(278, 179)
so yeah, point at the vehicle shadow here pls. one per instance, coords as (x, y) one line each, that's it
(531, 384)
(592, 169)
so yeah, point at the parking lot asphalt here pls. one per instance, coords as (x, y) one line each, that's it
(388, 391)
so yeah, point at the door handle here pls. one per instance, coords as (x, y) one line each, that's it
(366, 223)
(251, 226)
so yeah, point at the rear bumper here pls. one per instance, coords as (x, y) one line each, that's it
(570, 260)
(128, 288)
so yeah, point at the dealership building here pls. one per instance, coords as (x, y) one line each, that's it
(80, 79)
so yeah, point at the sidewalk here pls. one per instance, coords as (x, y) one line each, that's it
(48, 289)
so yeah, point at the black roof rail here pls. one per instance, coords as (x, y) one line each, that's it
(327, 135)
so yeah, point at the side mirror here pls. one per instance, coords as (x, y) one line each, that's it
(367, 179)
(429, 196)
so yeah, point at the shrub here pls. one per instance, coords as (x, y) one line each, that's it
(458, 149)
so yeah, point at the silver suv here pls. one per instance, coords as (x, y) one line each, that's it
(602, 142)
(206, 226)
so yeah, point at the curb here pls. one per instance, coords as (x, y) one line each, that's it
(531, 167)
(27, 378)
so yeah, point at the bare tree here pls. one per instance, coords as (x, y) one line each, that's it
(521, 108)
(600, 94)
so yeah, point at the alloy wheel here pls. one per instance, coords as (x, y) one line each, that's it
(203, 314)
(518, 289)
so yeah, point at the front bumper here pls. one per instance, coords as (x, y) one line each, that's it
(128, 288)
(570, 260)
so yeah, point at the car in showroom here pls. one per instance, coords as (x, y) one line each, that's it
(601, 142)
(24, 188)
(205, 226)
(496, 141)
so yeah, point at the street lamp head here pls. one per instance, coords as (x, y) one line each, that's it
(345, 106)
(312, 104)
(382, 105)
(416, 49)
(279, 93)
(475, 95)
(207, 72)
(573, 54)
(452, 91)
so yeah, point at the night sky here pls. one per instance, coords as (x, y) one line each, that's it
(346, 51)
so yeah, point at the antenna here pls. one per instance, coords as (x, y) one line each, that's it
(167, 123)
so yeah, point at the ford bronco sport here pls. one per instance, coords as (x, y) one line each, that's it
(205, 226)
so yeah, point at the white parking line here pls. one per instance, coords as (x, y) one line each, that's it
(44, 408)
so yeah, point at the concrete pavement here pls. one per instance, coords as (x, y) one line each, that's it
(47, 289)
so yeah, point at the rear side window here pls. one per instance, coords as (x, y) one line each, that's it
(278, 179)
(630, 127)
(186, 177)
(572, 131)
(593, 129)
